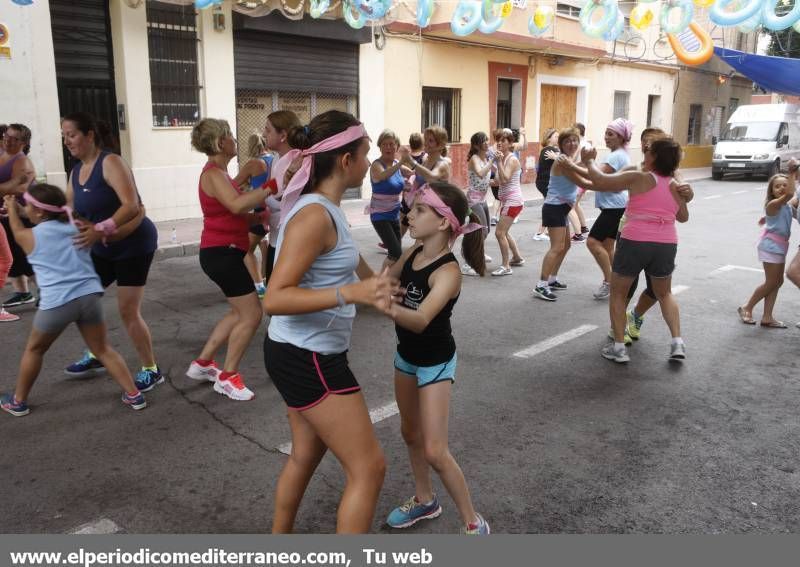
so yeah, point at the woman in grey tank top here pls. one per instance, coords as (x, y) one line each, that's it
(317, 280)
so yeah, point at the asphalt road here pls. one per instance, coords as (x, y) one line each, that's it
(561, 441)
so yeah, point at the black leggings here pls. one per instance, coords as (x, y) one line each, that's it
(648, 291)
(389, 233)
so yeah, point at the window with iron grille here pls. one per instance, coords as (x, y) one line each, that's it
(442, 107)
(621, 102)
(172, 43)
(695, 124)
(568, 10)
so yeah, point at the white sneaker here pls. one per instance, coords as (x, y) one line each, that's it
(603, 291)
(467, 270)
(487, 258)
(515, 221)
(502, 271)
(198, 372)
(677, 351)
(234, 388)
(617, 355)
(540, 236)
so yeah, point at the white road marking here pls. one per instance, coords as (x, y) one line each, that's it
(375, 415)
(738, 192)
(676, 289)
(712, 197)
(547, 344)
(730, 267)
(101, 526)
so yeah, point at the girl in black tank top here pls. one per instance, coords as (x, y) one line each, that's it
(425, 362)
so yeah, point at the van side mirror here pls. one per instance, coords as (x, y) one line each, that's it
(784, 140)
(713, 140)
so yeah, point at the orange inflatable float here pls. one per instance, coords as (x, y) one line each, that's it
(698, 57)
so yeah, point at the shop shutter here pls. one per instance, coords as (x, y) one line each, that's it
(269, 62)
(81, 41)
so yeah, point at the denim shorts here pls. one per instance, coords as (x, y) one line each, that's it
(427, 375)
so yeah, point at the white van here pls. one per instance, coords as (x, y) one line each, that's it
(759, 138)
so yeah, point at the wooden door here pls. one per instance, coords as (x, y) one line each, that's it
(558, 107)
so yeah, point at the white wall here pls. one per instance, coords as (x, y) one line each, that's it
(164, 164)
(28, 92)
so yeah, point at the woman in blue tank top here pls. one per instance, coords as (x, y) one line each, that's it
(388, 179)
(123, 241)
(252, 176)
(317, 280)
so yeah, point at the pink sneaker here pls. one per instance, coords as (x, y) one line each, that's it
(199, 372)
(6, 317)
(234, 388)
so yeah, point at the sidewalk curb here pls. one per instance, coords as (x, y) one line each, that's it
(192, 248)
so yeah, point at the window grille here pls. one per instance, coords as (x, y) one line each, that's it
(172, 44)
(442, 107)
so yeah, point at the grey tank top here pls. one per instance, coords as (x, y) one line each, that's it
(328, 331)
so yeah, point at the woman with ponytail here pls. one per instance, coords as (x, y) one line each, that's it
(318, 279)
(425, 362)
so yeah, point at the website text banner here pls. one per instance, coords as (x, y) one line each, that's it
(394, 551)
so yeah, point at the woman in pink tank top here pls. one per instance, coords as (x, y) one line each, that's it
(648, 240)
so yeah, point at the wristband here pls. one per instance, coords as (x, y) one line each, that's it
(340, 298)
(106, 227)
(271, 186)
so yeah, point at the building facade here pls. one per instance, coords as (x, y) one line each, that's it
(152, 68)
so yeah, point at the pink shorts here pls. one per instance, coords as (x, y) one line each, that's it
(771, 257)
(512, 211)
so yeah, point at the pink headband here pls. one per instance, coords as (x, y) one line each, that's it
(291, 193)
(622, 127)
(31, 200)
(427, 195)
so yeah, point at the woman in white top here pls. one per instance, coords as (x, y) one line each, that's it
(509, 171)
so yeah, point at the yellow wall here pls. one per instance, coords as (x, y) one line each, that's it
(412, 64)
(696, 156)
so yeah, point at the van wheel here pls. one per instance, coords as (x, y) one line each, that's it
(716, 175)
(776, 167)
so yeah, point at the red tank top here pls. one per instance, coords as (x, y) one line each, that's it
(220, 226)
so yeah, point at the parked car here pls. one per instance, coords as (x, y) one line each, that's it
(758, 139)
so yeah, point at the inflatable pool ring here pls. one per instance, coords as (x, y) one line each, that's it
(750, 24)
(796, 26)
(424, 13)
(641, 16)
(698, 57)
(599, 28)
(541, 20)
(199, 4)
(373, 9)
(686, 12)
(23, 2)
(490, 22)
(354, 20)
(318, 7)
(613, 32)
(771, 21)
(721, 17)
(703, 3)
(467, 17)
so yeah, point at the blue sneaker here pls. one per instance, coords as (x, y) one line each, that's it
(10, 404)
(136, 402)
(146, 380)
(411, 512)
(86, 367)
(481, 528)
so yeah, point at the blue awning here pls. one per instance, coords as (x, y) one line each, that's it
(773, 74)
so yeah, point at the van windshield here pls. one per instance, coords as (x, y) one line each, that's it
(751, 132)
